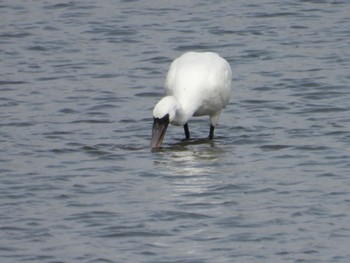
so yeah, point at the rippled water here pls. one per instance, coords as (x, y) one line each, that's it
(78, 182)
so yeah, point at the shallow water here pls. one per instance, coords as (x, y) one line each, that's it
(78, 182)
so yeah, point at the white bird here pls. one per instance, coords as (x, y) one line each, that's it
(197, 84)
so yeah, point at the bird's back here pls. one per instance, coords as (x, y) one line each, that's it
(202, 79)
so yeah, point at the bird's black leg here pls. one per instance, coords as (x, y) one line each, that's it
(187, 131)
(211, 132)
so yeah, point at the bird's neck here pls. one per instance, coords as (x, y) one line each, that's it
(184, 112)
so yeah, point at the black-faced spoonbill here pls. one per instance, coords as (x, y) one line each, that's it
(197, 84)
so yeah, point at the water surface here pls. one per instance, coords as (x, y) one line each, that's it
(78, 182)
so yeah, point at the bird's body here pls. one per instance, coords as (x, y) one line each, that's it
(197, 84)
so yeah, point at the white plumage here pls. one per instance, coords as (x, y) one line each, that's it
(197, 84)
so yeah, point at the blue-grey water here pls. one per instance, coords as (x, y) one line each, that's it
(78, 182)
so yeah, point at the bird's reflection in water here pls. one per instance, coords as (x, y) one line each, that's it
(191, 166)
(189, 158)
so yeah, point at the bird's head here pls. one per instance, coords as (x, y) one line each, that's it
(163, 113)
